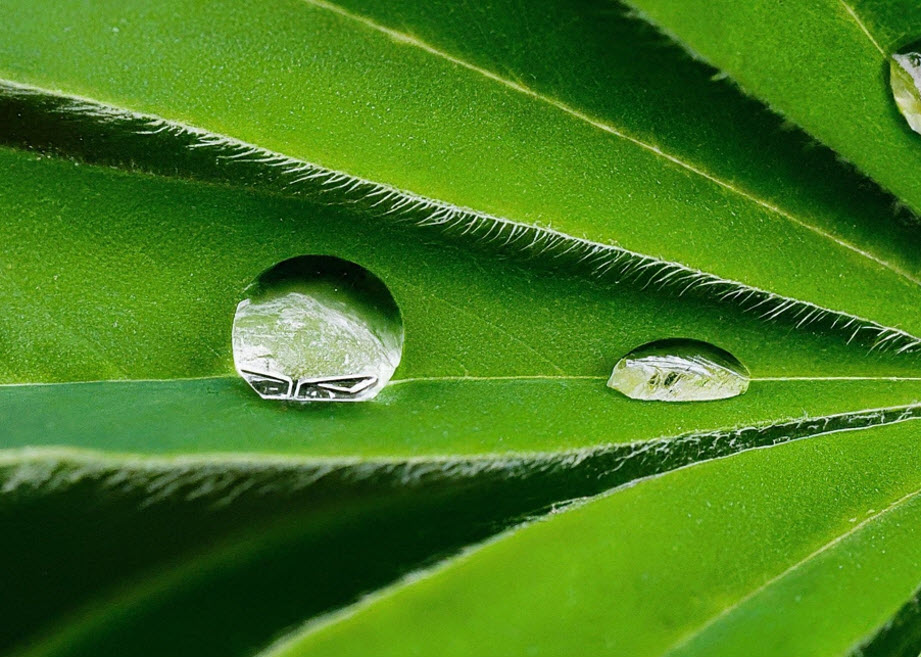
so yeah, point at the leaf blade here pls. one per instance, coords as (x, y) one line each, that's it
(625, 592)
(478, 172)
(834, 71)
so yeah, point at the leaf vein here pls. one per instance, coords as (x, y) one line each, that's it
(862, 26)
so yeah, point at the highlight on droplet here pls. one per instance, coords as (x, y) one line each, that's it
(317, 329)
(905, 81)
(679, 370)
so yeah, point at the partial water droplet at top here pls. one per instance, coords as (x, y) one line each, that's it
(905, 80)
(317, 328)
(679, 370)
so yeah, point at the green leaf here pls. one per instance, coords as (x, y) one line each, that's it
(147, 286)
(154, 268)
(215, 520)
(533, 227)
(806, 548)
(425, 420)
(336, 94)
(823, 65)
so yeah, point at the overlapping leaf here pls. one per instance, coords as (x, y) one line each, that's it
(824, 65)
(334, 94)
(808, 548)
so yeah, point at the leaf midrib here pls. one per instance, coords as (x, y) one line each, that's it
(863, 26)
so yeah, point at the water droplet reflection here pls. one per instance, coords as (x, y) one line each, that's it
(317, 328)
(679, 370)
(905, 80)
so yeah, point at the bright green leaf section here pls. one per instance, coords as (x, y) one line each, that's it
(123, 275)
(700, 555)
(824, 65)
(863, 575)
(111, 274)
(306, 508)
(412, 419)
(593, 55)
(334, 87)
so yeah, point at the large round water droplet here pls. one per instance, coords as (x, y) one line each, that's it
(679, 370)
(905, 80)
(317, 328)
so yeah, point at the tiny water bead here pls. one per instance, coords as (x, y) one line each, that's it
(679, 370)
(317, 328)
(905, 80)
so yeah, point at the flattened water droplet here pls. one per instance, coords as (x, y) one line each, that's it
(905, 80)
(317, 328)
(679, 370)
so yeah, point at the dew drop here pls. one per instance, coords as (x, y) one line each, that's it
(317, 328)
(905, 80)
(679, 370)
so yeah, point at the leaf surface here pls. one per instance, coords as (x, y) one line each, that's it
(548, 419)
(533, 227)
(153, 269)
(336, 91)
(823, 65)
(249, 525)
(805, 548)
